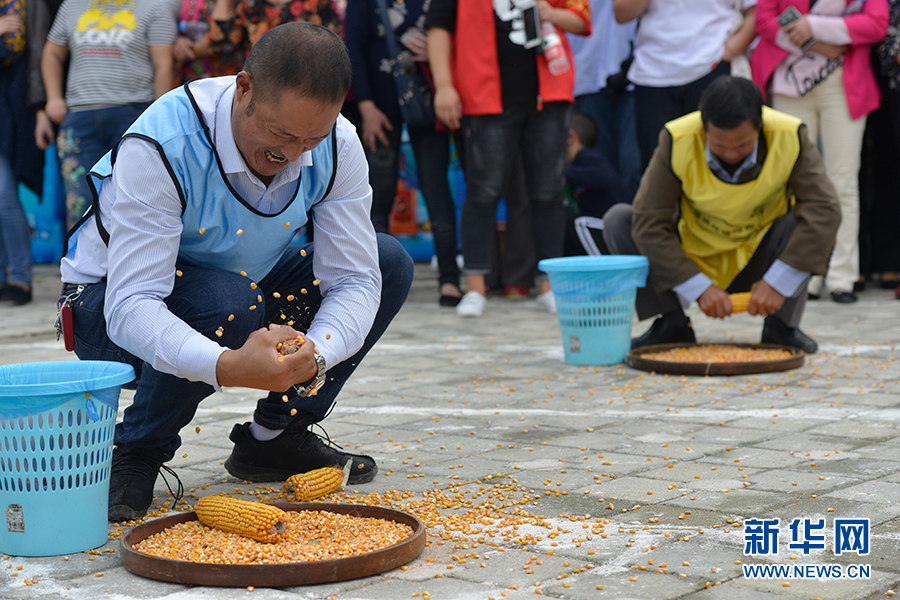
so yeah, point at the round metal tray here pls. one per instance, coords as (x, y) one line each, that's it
(636, 359)
(278, 575)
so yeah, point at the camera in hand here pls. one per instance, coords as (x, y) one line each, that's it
(618, 83)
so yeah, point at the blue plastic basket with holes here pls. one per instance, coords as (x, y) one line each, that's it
(56, 438)
(595, 304)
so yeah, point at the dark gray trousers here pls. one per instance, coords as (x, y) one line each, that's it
(649, 302)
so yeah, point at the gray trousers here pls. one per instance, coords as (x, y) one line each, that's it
(649, 302)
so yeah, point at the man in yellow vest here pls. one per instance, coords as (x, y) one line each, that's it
(735, 199)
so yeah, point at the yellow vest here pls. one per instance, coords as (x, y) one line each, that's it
(721, 223)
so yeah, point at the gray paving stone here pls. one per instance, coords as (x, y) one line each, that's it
(618, 585)
(826, 590)
(878, 492)
(794, 482)
(729, 591)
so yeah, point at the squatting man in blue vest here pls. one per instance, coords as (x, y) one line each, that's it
(184, 267)
(735, 199)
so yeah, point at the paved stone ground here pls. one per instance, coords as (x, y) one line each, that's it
(642, 482)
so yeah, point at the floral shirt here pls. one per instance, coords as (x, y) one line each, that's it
(12, 45)
(253, 18)
(194, 23)
(889, 49)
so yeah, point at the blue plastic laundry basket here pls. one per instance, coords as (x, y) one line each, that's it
(56, 437)
(595, 304)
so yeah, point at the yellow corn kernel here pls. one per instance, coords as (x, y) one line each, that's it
(717, 353)
(303, 487)
(740, 302)
(257, 521)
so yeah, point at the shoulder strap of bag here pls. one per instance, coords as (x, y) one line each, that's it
(389, 38)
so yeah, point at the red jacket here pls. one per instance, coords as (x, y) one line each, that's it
(866, 27)
(476, 71)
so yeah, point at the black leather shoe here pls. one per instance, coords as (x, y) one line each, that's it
(295, 450)
(844, 297)
(131, 480)
(776, 332)
(448, 300)
(16, 294)
(663, 331)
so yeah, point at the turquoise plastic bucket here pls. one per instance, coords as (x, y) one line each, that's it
(56, 437)
(595, 304)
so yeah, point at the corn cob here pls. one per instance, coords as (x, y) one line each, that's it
(303, 487)
(254, 520)
(290, 346)
(740, 302)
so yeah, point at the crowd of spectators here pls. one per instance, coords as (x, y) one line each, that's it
(557, 105)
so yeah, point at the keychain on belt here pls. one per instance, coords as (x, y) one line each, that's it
(64, 326)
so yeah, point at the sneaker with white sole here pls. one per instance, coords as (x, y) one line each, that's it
(471, 305)
(546, 302)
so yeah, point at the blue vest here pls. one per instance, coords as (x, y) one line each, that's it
(221, 230)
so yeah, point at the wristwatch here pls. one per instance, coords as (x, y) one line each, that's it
(313, 385)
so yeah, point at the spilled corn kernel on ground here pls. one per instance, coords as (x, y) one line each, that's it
(538, 478)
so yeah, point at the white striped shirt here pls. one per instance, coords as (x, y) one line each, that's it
(109, 46)
(142, 212)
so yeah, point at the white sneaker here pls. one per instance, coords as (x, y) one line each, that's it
(546, 302)
(471, 305)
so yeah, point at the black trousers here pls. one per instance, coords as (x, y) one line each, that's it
(649, 302)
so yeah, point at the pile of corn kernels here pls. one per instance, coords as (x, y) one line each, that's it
(717, 353)
(310, 536)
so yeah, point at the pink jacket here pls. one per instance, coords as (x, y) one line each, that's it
(865, 28)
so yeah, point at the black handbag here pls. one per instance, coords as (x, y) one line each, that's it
(413, 91)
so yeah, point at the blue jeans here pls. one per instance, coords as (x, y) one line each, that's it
(84, 137)
(432, 151)
(616, 131)
(491, 145)
(204, 298)
(15, 233)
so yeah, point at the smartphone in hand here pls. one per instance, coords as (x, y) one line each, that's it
(789, 15)
(532, 26)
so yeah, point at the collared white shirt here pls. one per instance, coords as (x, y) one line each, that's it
(142, 212)
(716, 165)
